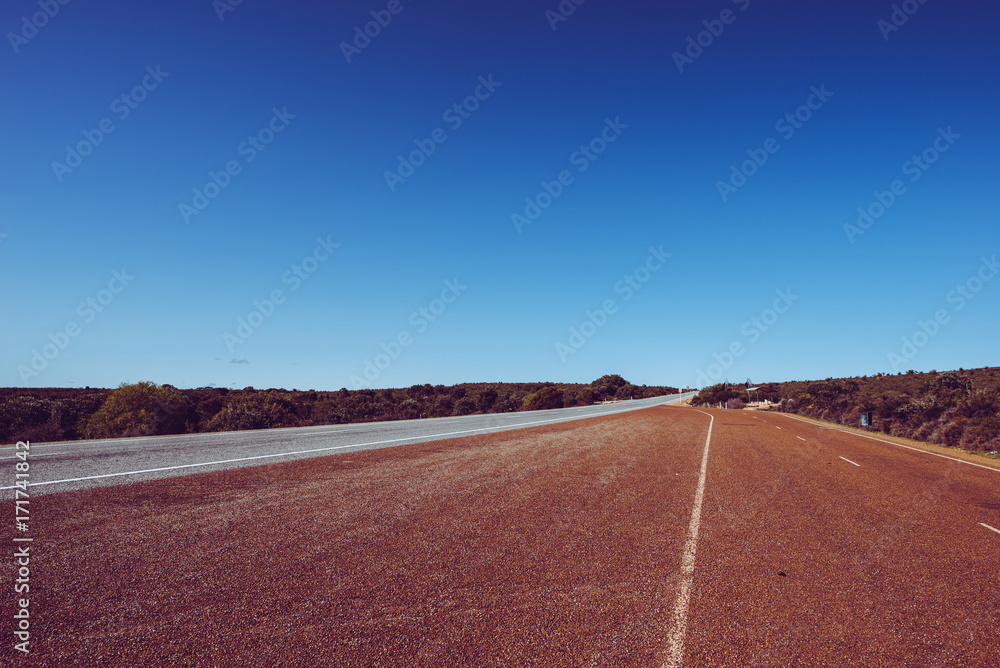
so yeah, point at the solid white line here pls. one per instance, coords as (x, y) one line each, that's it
(675, 641)
(337, 428)
(989, 527)
(800, 438)
(881, 440)
(850, 462)
(303, 452)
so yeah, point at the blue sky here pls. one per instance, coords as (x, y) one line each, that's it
(641, 144)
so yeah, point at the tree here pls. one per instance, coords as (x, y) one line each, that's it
(141, 409)
(607, 385)
(628, 391)
(715, 394)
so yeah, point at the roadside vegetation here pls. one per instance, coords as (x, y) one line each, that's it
(147, 409)
(959, 409)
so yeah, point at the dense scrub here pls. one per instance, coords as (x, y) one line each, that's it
(954, 408)
(143, 409)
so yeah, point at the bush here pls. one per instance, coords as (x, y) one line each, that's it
(465, 406)
(487, 398)
(545, 398)
(949, 383)
(716, 394)
(256, 410)
(20, 415)
(141, 409)
(606, 386)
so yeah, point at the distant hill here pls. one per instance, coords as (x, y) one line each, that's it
(954, 408)
(143, 409)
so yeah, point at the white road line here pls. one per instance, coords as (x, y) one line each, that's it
(303, 452)
(777, 427)
(881, 440)
(675, 641)
(850, 462)
(989, 527)
(321, 429)
(800, 438)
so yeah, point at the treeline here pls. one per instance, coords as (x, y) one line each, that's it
(954, 408)
(146, 409)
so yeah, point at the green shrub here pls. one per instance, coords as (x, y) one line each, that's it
(141, 409)
(545, 398)
(254, 410)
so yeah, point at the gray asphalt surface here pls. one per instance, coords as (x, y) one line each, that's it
(73, 465)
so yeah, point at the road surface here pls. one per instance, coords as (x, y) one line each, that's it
(662, 537)
(72, 465)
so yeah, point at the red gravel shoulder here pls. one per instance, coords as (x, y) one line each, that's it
(552, 546)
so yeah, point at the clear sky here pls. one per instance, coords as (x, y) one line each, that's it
(446, 198)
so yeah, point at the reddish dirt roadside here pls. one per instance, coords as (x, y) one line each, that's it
(551, 546)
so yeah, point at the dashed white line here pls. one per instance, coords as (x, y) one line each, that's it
(881, 440)
(989, 527)
(777, 427)
(800, 438)
(850, 462)
(675, 641)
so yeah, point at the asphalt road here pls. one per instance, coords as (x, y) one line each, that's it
(72, 465)
(663, 537)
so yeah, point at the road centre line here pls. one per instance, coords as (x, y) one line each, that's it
(850, 462)
(675, 641)
(989, 527)
(881, 440)
(302, 452)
